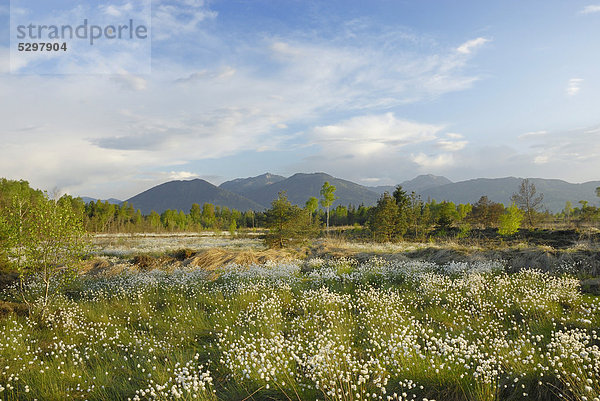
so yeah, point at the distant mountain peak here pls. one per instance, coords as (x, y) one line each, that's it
(87, 199)
(315, 174)
(431, 176)
(181, 194)
(301, 186)
(242, 186)
(424, 181)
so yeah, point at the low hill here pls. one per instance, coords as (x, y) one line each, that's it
(180, 195)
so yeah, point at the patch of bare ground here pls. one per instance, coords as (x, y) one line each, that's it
(7, 279)
(7, 308)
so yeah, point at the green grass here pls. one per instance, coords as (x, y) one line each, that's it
(335, 331)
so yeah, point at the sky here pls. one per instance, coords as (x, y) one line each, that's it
(375, 92)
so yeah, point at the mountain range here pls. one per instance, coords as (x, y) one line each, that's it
(180, 195)
(114, 201)
(257, 193)
(417, 184)
(556, 192)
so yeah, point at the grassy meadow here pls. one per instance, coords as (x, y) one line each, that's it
(312, 329)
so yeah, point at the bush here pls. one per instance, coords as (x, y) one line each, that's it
(45, 239)
(288, 224)
(510, 221)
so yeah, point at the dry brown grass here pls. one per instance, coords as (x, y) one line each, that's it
(105, 267)
(214, 258)
(208, 259)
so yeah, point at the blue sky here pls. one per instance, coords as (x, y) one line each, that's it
(376, 92)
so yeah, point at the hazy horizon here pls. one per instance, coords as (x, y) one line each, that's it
(375, 93)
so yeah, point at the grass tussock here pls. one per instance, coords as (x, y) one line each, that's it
(212, 259)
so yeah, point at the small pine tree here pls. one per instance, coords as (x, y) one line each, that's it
(403, 201)
(384, 221)
(288, 224)
(447, 215)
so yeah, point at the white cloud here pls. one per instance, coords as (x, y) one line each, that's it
(378, 73)
(284, 49)
(227, 72)
(567, 148)
(532, 134)
(451, 142)
(117, 129)
(469, 46)
(371, 180)
(130, 82)
(4, 60)
(104, 57)
(221, 74)
(372, 134)
(574, 86)
(179, 17)
(451, 146)
(570, 155)
(116, 11)
(379, 148)
(181, 175)
(593, 8)
(434, 162)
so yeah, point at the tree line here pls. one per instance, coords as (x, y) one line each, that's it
(395, 216)
(400, 215)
